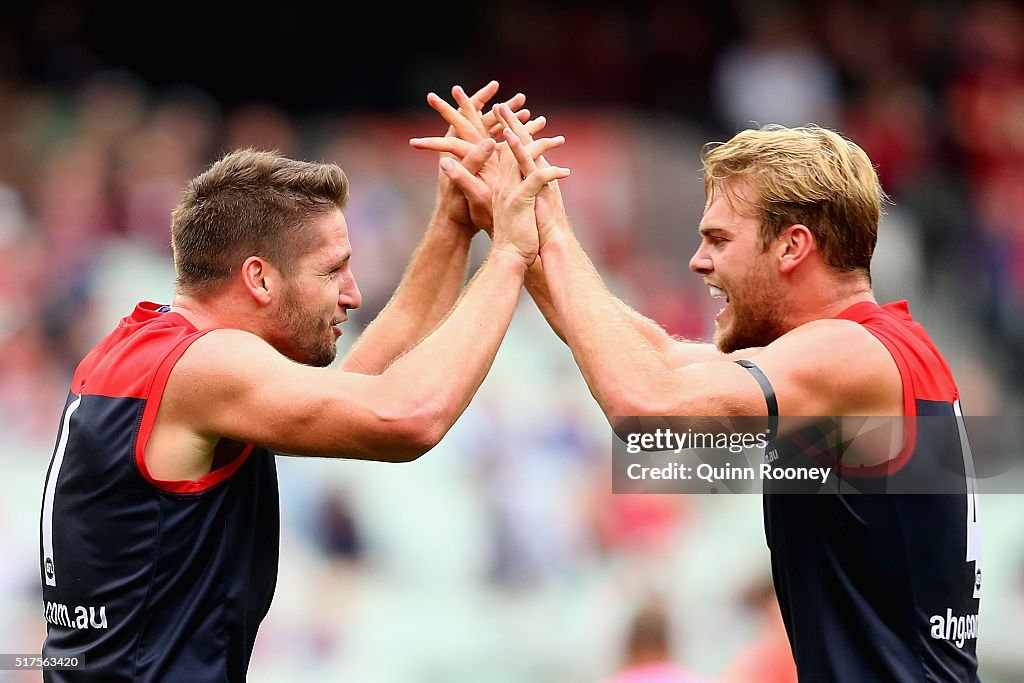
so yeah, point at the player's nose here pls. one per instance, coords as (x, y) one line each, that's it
(350, 296)
(700, 262)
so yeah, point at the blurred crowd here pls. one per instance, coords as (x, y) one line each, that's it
(513, 512)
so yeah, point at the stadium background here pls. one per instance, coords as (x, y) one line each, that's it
(501, 555)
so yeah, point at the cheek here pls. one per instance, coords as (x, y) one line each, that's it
(328, 301)
(339, 284)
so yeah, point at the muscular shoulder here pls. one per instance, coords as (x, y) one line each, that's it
(224, 352)
(825, 341)
(832, 367)
(226, 366)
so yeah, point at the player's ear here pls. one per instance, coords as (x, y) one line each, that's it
(795, 244)
(260, 279)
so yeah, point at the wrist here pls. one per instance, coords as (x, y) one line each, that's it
(447, 228)
(557, 230)
(557, 240)
(506, 252)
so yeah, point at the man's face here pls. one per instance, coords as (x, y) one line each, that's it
(318, 295)
(739, 271)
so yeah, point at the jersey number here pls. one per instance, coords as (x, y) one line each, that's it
(49, 571)
(973, 514)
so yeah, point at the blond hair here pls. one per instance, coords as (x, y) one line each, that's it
(808, 175)
(249, 203)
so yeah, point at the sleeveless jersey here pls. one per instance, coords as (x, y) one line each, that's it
(151, 580)
(879, 579)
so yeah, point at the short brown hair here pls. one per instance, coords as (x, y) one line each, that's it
(249, 203)
(808, 175)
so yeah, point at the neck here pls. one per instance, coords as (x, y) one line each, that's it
(211, 311)
(829, 298)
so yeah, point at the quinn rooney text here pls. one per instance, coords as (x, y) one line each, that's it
(711, 474)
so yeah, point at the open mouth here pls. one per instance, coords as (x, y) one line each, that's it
(719, 293)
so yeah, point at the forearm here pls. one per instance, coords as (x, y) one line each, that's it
(443, 372)
(426, 293)
(616, 351)
(675, 351)
(537, 287)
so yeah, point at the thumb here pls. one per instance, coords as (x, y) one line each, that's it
(470, 184)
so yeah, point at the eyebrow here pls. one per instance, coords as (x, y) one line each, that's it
(336, 263)
(706, 230)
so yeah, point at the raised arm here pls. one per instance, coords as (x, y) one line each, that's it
(437, 270)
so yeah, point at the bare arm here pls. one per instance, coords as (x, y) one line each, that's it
(231, 384)
(426, 293)
(628, 376)
(437, 270)
(677, 352)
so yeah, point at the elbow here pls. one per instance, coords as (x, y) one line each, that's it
(629, 412)
(625, 403)
(622, 412)
(418, 438)
(415, 432)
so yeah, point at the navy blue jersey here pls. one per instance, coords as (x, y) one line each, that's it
(879, 579)
(151, 580)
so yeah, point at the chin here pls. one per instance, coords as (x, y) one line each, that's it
(728, 341)
(321, 360)
(724, 341)
(727, 346)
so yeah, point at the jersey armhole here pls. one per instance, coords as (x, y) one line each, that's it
(894, 465)
(153, 396)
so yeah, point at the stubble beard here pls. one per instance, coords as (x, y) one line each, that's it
(758, 315)
(309, 332)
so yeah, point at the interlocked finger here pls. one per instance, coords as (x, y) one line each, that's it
(515, 103)
(534, 126)
(534, 178)
(482, 96)
(448, 143)
(495, 129)
(534, 151)
(527, 165)
(538, 178)
(462, 127)
(468, 108)
(541, 146)
(513, 122)
(524, 132)
(474, 161)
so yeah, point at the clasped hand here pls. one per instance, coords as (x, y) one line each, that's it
(494, 176)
